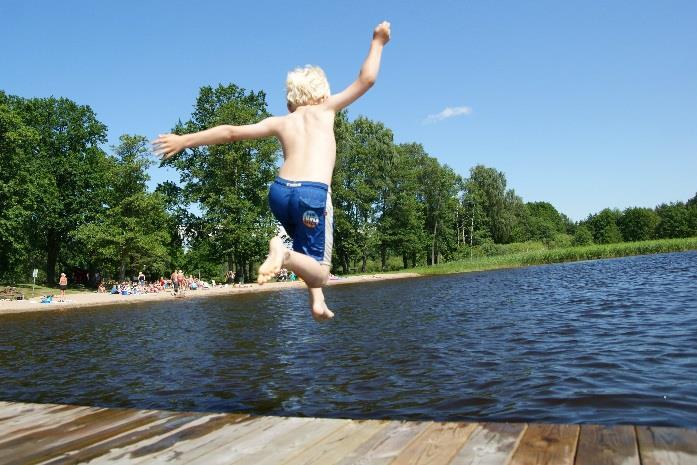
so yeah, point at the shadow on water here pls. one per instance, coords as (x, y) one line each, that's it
(610, 341)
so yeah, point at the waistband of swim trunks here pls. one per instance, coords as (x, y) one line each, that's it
(287, 183)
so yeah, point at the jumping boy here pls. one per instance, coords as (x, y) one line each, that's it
(300, 196)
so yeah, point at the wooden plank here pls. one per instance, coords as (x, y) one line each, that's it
(332, 448)
(490, 444)
(292, 443)
(667, 446)
(49, 419)
(224, 451)
(159, 442)
(17, 413)
(138, 435)
(46, 444)
(437, 445)
(607, 445)
(546, 445)
(387, 444)
(172, 448)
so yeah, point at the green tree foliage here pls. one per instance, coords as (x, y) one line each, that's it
(638, 224)
(230, 182)
(67, 169)
(497, 208)
(544, 222)
(405, 218)
(19, 192)
(674, 221)
(130, 233)
(603, 226)
(582, 236)
(440, 188)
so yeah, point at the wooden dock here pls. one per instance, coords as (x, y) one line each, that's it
(65, 434)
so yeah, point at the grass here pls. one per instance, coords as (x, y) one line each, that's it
(40, 290)
(560, 255)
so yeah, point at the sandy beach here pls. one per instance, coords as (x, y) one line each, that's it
(94, 299)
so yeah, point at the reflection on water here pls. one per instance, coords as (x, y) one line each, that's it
(612, 341)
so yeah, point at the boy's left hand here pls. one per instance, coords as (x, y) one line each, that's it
(382, 32)
(167, 145)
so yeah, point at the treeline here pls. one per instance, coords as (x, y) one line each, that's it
(67, 205)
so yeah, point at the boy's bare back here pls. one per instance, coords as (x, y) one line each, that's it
(309, 148)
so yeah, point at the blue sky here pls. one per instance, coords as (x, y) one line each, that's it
(585, 104)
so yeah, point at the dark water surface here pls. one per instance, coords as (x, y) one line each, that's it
(610, 341)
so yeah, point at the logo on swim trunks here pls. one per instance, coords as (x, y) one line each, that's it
(310, 219)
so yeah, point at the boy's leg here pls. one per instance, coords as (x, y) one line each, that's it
(318, 306)
(309, 269)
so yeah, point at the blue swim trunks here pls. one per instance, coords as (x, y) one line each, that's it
(304, 208)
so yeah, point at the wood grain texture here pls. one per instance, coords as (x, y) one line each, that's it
(387, 444)
(607, 445)
(546, 445)
(490, 444)
(292, 443)
(332, 448)
(45, 444)
(438, 444)
(667, 446)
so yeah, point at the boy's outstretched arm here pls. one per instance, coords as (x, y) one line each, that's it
(167, 145)
(369, 71)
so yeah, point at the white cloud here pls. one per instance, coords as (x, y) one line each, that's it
(449, 112)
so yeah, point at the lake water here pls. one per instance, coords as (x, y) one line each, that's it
(609, 341)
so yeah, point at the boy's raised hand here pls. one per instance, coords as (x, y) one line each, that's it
(167, 145)
(382, 32)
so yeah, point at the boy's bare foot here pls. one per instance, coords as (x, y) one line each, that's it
(274, 262)
(320, 312)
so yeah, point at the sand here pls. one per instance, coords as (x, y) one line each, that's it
(94, 299)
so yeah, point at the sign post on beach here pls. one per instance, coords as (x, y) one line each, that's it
(34, 274)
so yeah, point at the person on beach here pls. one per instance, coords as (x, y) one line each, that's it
(175, 282)
(63, 284)
(300, 196)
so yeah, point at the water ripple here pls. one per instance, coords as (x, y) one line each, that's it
(609, 341)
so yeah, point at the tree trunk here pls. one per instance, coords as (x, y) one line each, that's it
(122, 268)
(250, 275)
(433, 245)
(383, 257)
(405, 260)
(365, 259)
(92, 270)
(413, 260)
(345, 264)
(52, 249)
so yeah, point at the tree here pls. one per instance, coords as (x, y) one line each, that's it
(582, 236)
(544, 222)
(405, 218)
(674, 221)
(638, 224)
(19, 189)
(230, 182)
(603, 226)
(486, 188)
(69, 166)
(440, 187)
(131, 232)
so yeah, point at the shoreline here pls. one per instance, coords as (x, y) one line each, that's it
(494, 263)
(94, 299)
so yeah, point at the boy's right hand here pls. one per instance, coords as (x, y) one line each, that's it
(167, 145)
(382, 32)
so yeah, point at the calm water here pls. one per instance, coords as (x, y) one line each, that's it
(612, 341)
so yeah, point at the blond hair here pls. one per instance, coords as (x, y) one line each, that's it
(306, 86)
